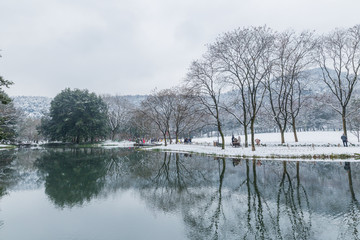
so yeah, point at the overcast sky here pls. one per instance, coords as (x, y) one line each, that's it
(131, 47)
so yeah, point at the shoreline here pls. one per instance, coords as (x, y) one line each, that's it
(315, 146)
(294, 152)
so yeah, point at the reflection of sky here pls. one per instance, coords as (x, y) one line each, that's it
(30, 215)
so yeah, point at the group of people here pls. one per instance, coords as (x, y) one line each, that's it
(235, 142)
(257, 141)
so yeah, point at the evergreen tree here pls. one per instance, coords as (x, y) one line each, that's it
(76, 116)
(4, 98)
(7, 112)
(8, 117)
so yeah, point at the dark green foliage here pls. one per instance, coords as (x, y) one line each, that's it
(4, 98)
(76, 116)
(7, 113)
(8, 117)
(8, 176)
(72, 177)
(76, 176)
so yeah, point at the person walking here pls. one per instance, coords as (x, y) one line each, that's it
(344, 139)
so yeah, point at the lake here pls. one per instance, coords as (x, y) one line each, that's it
(127, 194)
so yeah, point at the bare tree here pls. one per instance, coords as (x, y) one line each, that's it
(205, 79)
(158, 107)
(256, 70)
(354, 119)
(339, 60)
(27, 129)
(292, 56)
(118, 113)
(355, 126)
(187, 116)
(140, 125)
(253, 68)
(245, 55)
(278, 93)
(236, 107)
(228, 51)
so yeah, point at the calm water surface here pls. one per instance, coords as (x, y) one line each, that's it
(126, 194)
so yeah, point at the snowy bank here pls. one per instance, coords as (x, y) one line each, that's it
(6, 146)
(311, 145)
(112, 144)
(305, 138)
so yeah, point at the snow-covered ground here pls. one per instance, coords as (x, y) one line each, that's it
(319, 146)
(311, 146)
(318, 138)
(111, 144)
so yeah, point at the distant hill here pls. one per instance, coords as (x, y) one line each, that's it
(313, 80)
(30, 106)
(135, 99)
(37, 107)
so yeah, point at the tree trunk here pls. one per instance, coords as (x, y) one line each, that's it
(298, 172)
(246, 140)
(170, 141)
(252, 122)
(222, 136)
(294, 129)
(343, 116)
(282, 133)
(165, 139)
(112, 135)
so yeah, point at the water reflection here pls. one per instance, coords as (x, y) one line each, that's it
(72, 177)
(170, 182)
(215, 198)
(351, 218)
(7, 173)
(296, 204)
(205, 217)
(75, 176)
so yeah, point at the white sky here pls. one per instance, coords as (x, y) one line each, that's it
(131, 47)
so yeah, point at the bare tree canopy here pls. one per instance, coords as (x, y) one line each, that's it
(245, 58)
(206, 80)
(292, 55)
(118, 114)
(338, 57)
(158, 107)
(187, 114)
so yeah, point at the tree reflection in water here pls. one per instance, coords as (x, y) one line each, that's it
(295, 202)
(351, 219)
(169, 182)
(8, 175)
(214, 209)
(75, 176)
(206, 216)
(218, 202)
(246, 199)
